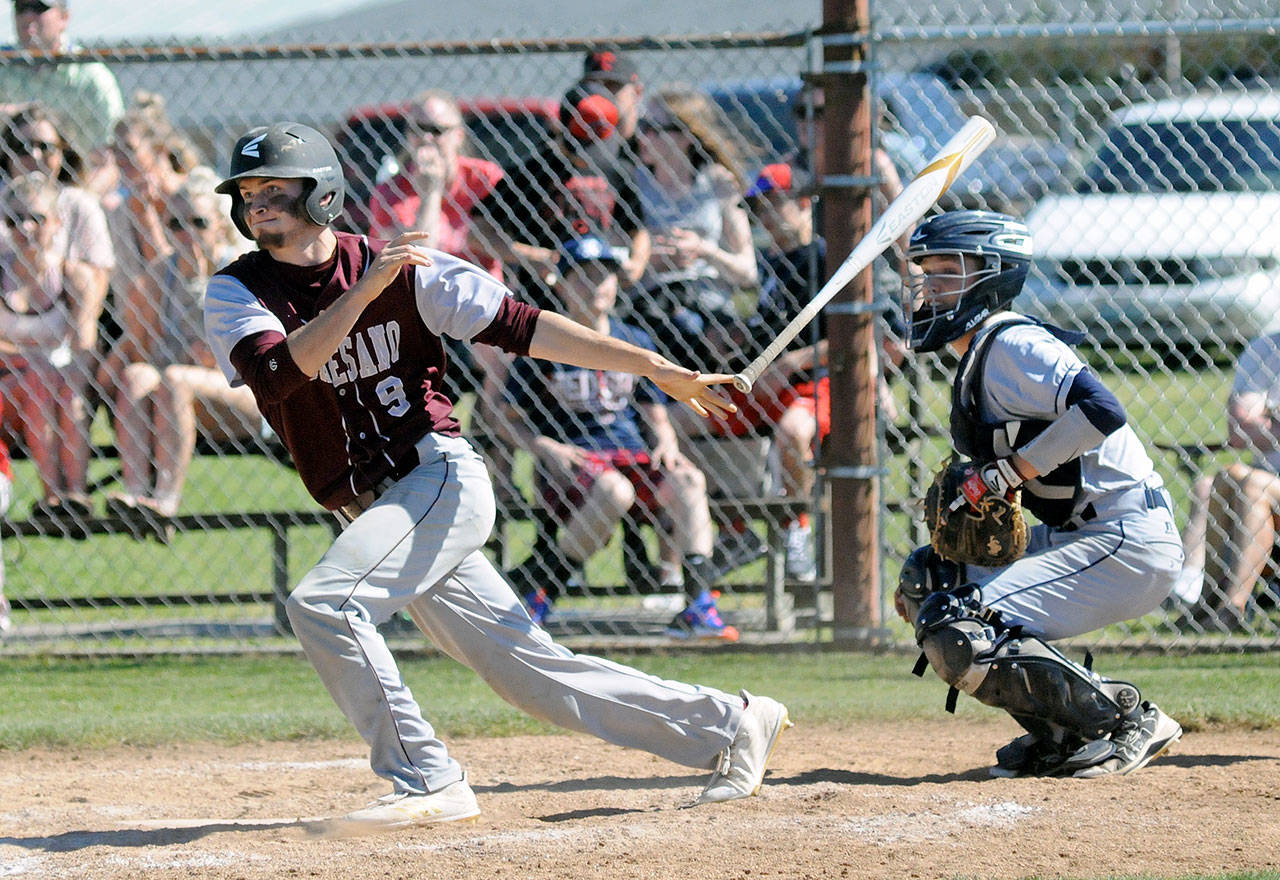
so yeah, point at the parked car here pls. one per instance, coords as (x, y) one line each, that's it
(921, 115)
(1171, 236)
(502, 130)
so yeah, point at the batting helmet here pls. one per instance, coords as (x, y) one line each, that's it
(288, 150)
(1001, 243)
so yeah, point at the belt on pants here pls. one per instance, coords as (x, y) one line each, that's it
(362, 502)
(1152, 498)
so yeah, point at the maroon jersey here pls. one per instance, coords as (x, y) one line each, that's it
(356, 422)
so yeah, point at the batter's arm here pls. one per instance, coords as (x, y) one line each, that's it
(311, 345)
(557, 338)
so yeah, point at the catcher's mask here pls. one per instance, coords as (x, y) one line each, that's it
(995, 250)
(287, 150)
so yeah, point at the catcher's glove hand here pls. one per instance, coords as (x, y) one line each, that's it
(969, 522)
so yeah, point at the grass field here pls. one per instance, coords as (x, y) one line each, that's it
(86, 703)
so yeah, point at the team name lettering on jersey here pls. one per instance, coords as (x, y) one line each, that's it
(364, 353)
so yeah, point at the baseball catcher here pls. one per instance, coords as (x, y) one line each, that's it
(1034, 428)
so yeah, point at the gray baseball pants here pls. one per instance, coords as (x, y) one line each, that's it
(418, 547)
(1116, 568)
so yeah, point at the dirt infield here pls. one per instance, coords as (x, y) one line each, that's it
(857, 803)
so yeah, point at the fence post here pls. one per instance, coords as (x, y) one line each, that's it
(851, 459)
(280, 577)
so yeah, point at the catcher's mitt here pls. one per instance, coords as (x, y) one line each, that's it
(974, 527)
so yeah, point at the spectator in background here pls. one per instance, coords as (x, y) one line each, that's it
(436, 192)
(439, 185)
(619, 74)
(152, 160)
(32, 142)
(1243, 500)
(168, 388)
(599, 456)
(582, 184)
(691, 187)
(85, 95)
(40, 320)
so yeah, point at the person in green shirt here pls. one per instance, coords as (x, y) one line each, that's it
(83, 94)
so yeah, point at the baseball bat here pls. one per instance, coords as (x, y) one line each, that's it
(916, 198)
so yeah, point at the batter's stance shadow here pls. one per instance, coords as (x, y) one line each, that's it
(70, 841)
(600, 783)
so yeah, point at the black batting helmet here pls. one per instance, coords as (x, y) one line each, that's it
(288, 150)
(1001, 244)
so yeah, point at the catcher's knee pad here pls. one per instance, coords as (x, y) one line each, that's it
(924, 573)
(972, 651)
(956, 634)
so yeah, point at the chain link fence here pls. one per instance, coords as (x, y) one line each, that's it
(1146, 160)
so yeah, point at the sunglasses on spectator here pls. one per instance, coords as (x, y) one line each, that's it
(176, 223)
(33, 7)
(433, 128)
(23, 219)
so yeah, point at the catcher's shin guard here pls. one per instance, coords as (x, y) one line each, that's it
(971, 650)
(924, 573)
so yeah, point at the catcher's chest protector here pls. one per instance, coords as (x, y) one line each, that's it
(1051, 497)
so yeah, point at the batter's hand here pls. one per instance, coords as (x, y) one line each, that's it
(694, 390)
(401, 251)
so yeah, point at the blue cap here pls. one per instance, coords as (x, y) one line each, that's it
(589, 249)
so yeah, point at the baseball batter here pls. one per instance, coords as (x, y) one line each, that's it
(339, 337)
(1027, 408)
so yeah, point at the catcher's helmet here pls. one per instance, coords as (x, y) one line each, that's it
(1000, 242)
(288, 150)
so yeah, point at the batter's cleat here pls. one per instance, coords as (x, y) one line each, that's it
(453, 803)
(539, 605)
(740, 771)
(701, 620)
(1137, 742)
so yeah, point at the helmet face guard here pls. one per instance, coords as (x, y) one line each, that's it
(994, 254)
(287, 151)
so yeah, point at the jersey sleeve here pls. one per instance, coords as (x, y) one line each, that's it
(231, 314)
(456, 298)
(1029, 373)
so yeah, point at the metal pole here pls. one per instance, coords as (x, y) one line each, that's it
(850, 457)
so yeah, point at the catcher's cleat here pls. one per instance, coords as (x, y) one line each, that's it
(740, 771)
(1137, 742)
(1028, 755)
(453, 803)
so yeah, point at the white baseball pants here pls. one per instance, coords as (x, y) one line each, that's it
(419, 547)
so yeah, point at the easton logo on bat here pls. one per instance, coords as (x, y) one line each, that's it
(912, 205)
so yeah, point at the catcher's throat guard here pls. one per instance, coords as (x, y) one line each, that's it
(987, 530)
